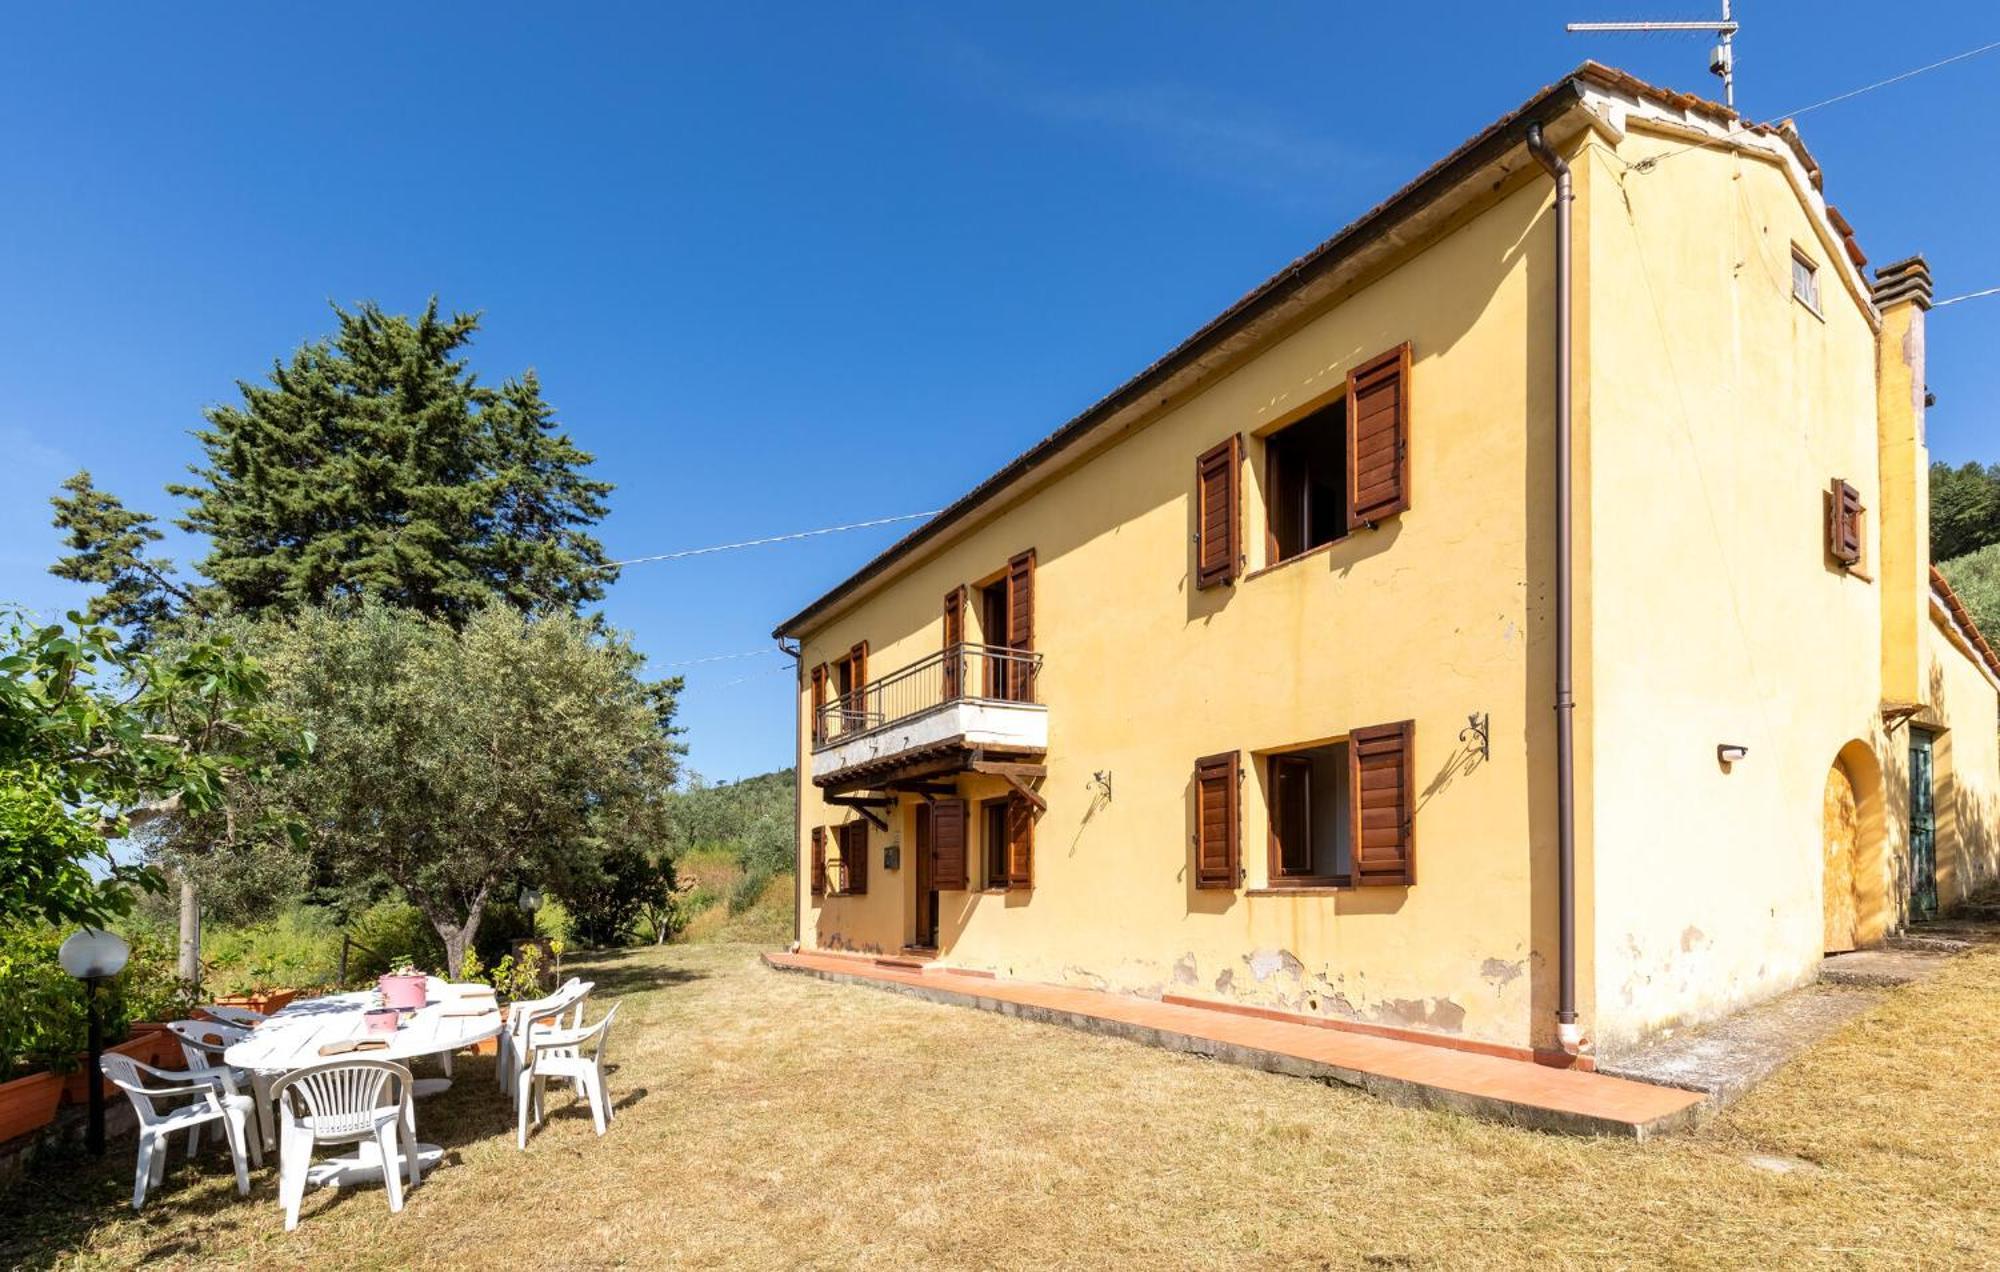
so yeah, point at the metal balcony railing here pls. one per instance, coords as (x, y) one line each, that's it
(960, 672)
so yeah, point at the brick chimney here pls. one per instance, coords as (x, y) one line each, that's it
(1902, 293)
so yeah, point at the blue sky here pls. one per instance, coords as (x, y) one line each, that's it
(743, 244)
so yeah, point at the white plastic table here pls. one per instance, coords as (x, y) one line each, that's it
(292, 1039)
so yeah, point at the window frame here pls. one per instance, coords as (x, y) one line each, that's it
(1800, 257)
(1276, 877)
(1272, 468)
(993, 847)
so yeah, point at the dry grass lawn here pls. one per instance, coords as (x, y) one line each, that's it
(771, 1120)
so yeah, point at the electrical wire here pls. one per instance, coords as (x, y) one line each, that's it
(716, 658)
(775, 538)
(1647, 165)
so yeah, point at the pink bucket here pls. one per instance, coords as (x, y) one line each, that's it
(380, 1020)
(405, 993)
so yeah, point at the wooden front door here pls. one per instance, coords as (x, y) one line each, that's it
(1841, 830)
(925, 933)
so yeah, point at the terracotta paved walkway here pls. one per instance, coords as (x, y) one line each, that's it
(1405, 1072)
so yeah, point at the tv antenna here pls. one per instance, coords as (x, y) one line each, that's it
(1721, 59)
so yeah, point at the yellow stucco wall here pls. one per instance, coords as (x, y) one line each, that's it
(1712, 411)
(1721, 408)
(1439, 613)
(1965, 767)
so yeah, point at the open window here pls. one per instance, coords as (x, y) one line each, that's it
(1311, 817)
(1305, 483)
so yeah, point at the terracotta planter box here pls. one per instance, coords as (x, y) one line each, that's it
(76, 1086)
(268, 1002)
(161, 1049)
(28, 1104)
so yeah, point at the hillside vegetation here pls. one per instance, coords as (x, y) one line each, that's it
(732, 845)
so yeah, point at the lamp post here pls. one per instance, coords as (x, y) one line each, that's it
(90, 955)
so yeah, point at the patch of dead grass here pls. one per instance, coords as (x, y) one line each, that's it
(775, 1120)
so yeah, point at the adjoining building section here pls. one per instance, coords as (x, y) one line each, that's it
(1241, 688)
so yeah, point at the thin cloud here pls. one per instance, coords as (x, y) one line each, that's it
(1196, 131)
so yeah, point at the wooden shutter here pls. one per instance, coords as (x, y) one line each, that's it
(854, 711)
(1020, 843)
(854, 858)
(1843, 523)
(954, 636)
(1381, 774)
(819, 703)
(1378, 438)
(1218, 486)
(819, 861)
(1217, 830)
(1021, 626)
(948, 845)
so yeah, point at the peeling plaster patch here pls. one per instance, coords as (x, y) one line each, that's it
(1265, 964)
(1500, 971)
(1074, 975)
(1691, 938)
(1153, 992)
(1225, 982)
(1438, 1013)
(1184, 973)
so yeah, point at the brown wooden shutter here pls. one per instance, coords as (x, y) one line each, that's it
(1378, 438)
(1381, 773)
(1021, 626)
(1218, 486)
(1020, 843)
(854, 858)
(948, 845)
(1217, 825)
(854, 711)
(1843, 523)
(1291, 816)
(954, 636)
(819, 703)
(819, 861)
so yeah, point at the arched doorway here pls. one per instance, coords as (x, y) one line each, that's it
(1840, 839)
(1855, 891)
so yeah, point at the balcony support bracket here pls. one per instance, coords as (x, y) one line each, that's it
(865, 805)
(1027, 792)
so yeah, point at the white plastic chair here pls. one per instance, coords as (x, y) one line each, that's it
(533, 1014)
(202, 1044)
(560, 1053)
(215, 1100)
(241, 1017)
(344, 1101)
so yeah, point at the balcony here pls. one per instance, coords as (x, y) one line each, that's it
(963, 709)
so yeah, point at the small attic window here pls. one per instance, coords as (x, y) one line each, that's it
(1805, 280)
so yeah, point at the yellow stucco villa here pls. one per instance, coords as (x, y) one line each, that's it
(1511, 624)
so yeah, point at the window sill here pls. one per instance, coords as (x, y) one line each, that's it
(1307, 555)
(1299, 890)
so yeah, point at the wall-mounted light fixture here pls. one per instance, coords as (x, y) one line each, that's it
(1479, 725)
(1729, 752)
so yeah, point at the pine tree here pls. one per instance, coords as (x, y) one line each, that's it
(108, 543)
(374, 463)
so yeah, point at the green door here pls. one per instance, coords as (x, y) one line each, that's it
(1923, 830)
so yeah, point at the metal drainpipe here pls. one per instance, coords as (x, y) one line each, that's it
(795, 653)
(1567, 1032)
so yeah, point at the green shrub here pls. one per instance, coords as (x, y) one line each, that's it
(42, 1022)
(388, 933)
(1976, 578)
(299, 949)
(749, 889)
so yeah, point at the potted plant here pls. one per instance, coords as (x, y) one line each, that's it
(38, 1023)
(403, 987)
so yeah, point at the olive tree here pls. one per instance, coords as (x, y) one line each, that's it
(456, 759)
